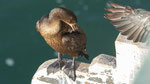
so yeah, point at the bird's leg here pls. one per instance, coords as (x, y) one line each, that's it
(74, 69)
(60, 61)
(71, 71)
(56, 66)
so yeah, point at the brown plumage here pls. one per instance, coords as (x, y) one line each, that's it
(133, 23)
(60, 30)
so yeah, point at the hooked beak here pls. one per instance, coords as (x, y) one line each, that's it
(74, 27)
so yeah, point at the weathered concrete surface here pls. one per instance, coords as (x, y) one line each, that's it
(84, 76)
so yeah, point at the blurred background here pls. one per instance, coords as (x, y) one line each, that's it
(22, 49)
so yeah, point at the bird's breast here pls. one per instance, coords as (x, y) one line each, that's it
(67, 44)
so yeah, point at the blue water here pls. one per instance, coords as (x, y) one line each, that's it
(22, 49)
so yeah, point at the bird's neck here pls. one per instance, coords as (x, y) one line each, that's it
(58, 15)
(51, 27)
(53, 23)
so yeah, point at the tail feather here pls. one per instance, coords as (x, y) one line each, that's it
(84, 54)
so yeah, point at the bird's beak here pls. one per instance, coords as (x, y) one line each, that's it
(74, 27)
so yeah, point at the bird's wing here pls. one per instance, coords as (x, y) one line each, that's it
(76, 41)
(130, 22)
(73, 39)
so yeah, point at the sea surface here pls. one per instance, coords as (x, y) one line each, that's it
(23, 50)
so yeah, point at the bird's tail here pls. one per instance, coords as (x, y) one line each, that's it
(84, 54)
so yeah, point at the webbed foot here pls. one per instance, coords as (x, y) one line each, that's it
(70, 70)
(56, 66)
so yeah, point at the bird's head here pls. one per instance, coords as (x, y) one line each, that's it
(43, 20)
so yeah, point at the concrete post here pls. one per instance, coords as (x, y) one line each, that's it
(130, 57)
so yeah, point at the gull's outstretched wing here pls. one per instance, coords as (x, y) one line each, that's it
(130, 22)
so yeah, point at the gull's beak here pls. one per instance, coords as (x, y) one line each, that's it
(74, 27)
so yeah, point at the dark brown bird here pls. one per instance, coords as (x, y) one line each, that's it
(133, 23)
(60, 30)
